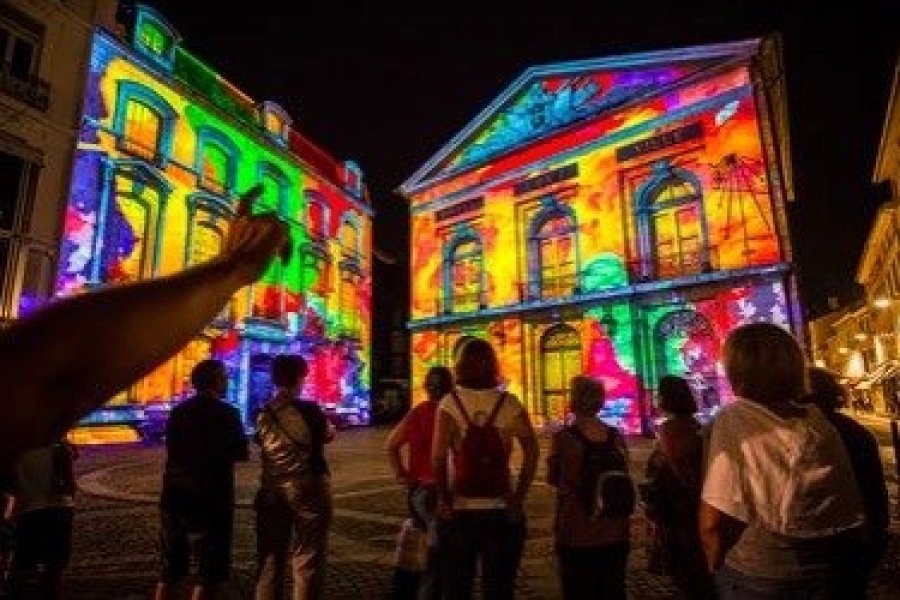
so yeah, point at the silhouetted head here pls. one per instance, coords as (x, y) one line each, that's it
(826, 391)
(676, 396)
(210, 377)
(438, 382)
(764, 364)
(288, 371)
(586, 395)
(476, 366)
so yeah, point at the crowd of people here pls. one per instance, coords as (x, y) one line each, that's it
(779, 496)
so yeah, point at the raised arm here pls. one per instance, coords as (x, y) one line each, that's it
(65, 360)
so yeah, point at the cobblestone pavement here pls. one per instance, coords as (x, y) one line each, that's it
(115, 552)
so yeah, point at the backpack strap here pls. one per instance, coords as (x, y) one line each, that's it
(462, 409)
(496, 411)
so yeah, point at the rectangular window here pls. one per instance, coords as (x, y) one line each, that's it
(153, 39)
(11, 202)
(142, 130)
(214, 176)
(20, 43)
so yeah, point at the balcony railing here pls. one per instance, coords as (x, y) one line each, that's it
(648, 270)
(32, 91)
(671, 266)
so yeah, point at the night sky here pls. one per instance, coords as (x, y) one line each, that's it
(387, 86)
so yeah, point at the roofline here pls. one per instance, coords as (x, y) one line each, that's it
(257, 137)
(879, 226)
(893, 101)
(746, 48)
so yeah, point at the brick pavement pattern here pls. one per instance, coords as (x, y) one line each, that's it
(115, 553)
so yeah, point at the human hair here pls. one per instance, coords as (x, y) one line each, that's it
(443, 382)
(586, 395)
(476, 366)
(676, 396)
(764, 364)
(205, 375)
(288, 370)
(825, 390)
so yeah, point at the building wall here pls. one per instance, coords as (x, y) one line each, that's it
(626, 246)
(42, 73)
(166, 146)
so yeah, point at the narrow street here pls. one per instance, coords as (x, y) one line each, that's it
(116, 525)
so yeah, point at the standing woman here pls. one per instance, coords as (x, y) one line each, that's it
(592, 550)
(779, 498)
(674, 479)
(480, 509)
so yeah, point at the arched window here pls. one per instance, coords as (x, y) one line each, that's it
(315, 256)
(206, 236)
(560, 361)
(129, 224)
(673, 233)
(275, 188)
(350, 276)
(553, 252)
(216, 161)
(463, 273)
(143, 122)
(143, 126)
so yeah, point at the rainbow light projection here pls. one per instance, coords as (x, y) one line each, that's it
(615, 217)
(165, 148)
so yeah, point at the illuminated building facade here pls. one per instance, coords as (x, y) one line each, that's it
(615, 217)
(44, 51)
(165, 148)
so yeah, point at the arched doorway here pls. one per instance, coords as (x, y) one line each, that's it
(560, 361)
(686, 345)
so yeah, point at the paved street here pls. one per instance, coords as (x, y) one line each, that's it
(116, 526)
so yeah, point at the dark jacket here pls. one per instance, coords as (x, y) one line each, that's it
(204, 438)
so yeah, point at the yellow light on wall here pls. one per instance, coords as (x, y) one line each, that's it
(882, 302)
(860, 337)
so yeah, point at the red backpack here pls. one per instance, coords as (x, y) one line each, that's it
(481, 464)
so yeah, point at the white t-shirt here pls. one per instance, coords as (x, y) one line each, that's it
(786, 475)
(479, 404)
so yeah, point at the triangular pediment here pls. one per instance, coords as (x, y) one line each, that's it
(548, 99)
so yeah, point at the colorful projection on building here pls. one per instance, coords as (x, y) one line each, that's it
(166, 147)
(614, 217)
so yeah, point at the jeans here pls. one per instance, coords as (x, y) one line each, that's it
(734, 585)
(422, 502)
(593, 572)
(490, 535)
(301, 508)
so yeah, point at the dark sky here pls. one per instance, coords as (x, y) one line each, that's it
(387, 85)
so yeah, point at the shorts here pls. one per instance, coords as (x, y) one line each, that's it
(44, 538)
(189, 547)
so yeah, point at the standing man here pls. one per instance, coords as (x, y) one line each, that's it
(43, 508)
(417, 431)
(294, 494)
(204, 438)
